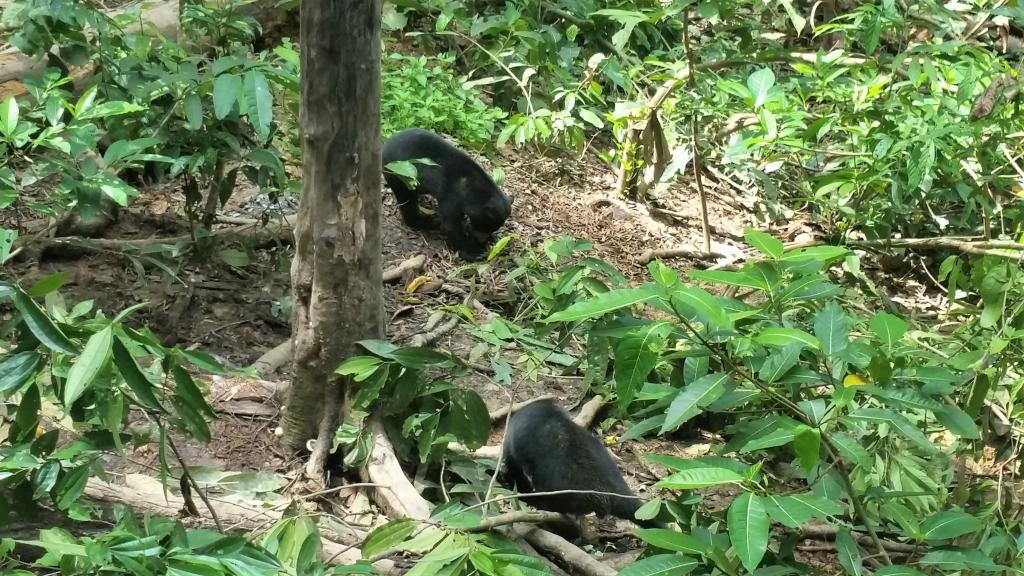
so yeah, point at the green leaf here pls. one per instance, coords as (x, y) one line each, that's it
(48, 284)
(905, 518)
(108, 109)
(88, 365)
(779, 336)
(672, 541)
(748, 529)
(234, 258)
(779, 362)
(692, 398)
(71, 486)
(187, 389)
(958, 422)
(7, 238)
(900, 422)
(707, 309)
(699, 478)
(849, 553)
(739, 279)
(949, 524)
(226, 90)
(41, 326)
(193, 106)
(260, 103)
(133, 376)
(807, 445)
(765, 243)
(359, 367)
(922, 159)
(9, 116)
(760, 82)
(794, 511)
(660, 565)
(832, 327)
(468, 418)
(635, 357)
(603, 304)
(588, 116)
(969, 561)
(387, 536)
(888, 328)
(16, 369)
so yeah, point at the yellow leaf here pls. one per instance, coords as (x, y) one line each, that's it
(610, 439)
(39, 431)
(416, 283)
(853, 380)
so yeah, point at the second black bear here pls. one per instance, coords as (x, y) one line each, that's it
(470, 205)
(545, 451)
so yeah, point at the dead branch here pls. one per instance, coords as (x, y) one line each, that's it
(667, 253)
(500, 413)
(416, 263)
(568, 554)
(432, 335)
(589, 411)
(399, 499)
(146, 494)
(527, 516)
(273, 359)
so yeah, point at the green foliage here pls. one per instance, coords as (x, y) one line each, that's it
(881, 137)
(424, 92)
(94, 369)
(155, 545)
(415, 385)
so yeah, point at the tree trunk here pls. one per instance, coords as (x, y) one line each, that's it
(336, 289)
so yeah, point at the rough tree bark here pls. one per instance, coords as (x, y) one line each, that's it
(336, 289)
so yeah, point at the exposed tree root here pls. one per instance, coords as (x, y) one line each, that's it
(273, 359)
(414, 264)
(146, 494)
(567, 553)
(398, 498)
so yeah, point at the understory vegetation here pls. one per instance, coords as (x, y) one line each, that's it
(821, 404)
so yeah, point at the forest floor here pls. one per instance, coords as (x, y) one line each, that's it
(228, 311)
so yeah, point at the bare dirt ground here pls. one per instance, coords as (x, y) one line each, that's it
(230, 311)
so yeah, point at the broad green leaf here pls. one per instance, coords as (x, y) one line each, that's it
(69, 489)
(969, 561)
(193, 106)
(794, 511)
(635, 356)
(260, 103)
(672, 540)
(776, 432)
(49, 284)
(898, 421)
(849, 553)
(468, 418)
(660, 565)
(700, 478)
(359, 367)
(779, 336)
(740, 279)
(922, 159)
(832, 327)
(234, 258)
(765, 243)
(88, 365)
(603, 304)
(226, 90)
(692, 398)
(108, 109)
(905, 518)
(9, 116)
(760, 82)
(188, 391)
(888, 328)
(40, 325)
(708, 310)
(780, 362)
(16, 369)
(133, 376)
(824, 254)
(807, 445)
(958, 422)
(748, 529)
(949, 524)
(7, 238)
(851, 449)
